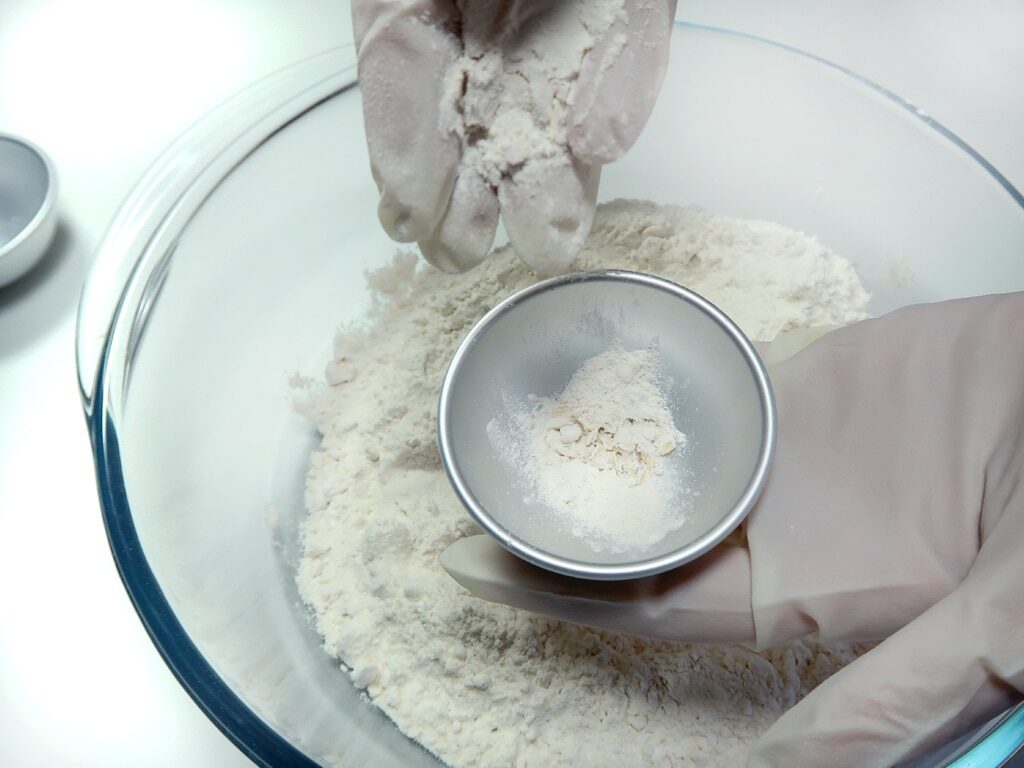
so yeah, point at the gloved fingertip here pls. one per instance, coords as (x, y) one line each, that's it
(403, 223)
(490, 572)
(620, 81)
(439, 256)
(602, 143)
(548, 248)
(465, 234)
(480, 565)
(406, 49)
(548, 212)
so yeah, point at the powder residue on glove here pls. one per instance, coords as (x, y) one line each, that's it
(597, 453)
(486, 685)
(510, 91)
(509, 100)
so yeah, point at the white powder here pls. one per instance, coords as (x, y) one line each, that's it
(508, 98)
(596, 453)
(485, 685)
(509, 92)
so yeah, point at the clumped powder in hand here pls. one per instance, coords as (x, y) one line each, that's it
(509, 98)
(597, 453)
(510, 91)
(485, 685)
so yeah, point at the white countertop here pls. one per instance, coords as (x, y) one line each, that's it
(103, 87)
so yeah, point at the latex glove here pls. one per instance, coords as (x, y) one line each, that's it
(406, 52)
(894, 508)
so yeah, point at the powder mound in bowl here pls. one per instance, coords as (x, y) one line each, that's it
(596, 453)
(485, 685)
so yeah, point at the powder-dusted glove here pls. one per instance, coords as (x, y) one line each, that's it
(407, 49)
(894, 509)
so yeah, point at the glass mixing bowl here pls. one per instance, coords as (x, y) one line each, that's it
(231, 265)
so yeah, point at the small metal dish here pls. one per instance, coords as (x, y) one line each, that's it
(28, 195)
(532, 343)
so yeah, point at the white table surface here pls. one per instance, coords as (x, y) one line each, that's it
(103, 86)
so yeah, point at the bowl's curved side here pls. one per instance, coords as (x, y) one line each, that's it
(892, 96)
(258, 741)
(134, 254)
(152, 216)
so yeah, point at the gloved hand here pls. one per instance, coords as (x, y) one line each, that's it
(455, 134)
(894, 509)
